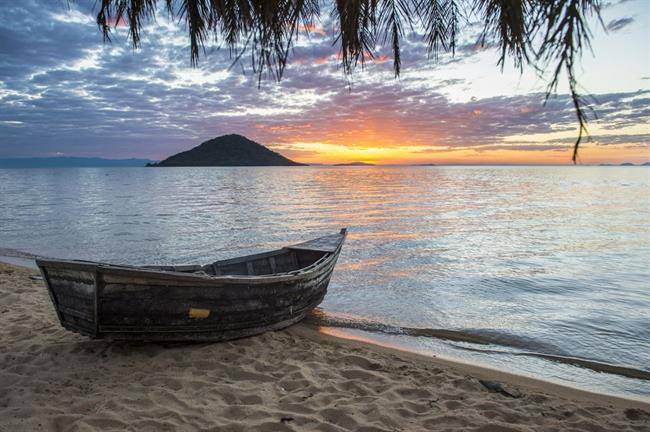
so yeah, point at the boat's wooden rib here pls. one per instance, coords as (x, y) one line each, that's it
(222, 300)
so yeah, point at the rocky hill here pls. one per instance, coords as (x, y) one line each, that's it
(227, 150)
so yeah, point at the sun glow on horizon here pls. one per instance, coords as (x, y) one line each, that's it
(554, 154)
(457, 135)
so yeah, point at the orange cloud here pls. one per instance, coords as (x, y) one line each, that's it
(383, 126)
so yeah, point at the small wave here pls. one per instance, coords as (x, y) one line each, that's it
(597, 366)
(483, 337)
(320, 318)
(15, 253)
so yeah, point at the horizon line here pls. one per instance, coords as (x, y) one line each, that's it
(352, 164)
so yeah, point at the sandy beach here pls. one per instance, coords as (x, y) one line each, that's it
(294, 380)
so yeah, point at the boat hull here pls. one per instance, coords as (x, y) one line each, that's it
(118, 302)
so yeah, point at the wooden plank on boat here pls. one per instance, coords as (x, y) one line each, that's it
(76, 313)
(207, 321)
(252, 257)
(322, 244)
(80, 276)
(96, 297)
(187, 268)
(272, 264)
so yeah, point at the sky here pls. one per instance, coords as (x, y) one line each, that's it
(63, 92)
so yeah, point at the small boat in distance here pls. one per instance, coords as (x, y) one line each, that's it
(223, 300)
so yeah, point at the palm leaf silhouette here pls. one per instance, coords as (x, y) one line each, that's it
(548, 35)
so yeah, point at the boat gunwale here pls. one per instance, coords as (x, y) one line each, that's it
(124, 270)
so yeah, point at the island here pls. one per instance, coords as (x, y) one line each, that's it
(227, 150)
(355, 164)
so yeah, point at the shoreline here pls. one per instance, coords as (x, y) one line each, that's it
(479, 371)
(338, 335)
(294, 379)
(327, 320)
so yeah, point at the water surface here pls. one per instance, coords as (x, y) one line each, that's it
(550, 260)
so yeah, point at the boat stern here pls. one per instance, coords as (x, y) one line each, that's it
(73, 290)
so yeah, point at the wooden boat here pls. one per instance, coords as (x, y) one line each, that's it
(223, 300)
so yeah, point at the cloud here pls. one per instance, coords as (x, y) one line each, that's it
(619, 24)
(523, 147)
(63, 90)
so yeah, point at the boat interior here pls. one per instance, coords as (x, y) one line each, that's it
(284, 260)
(289, 259)
(281, 261)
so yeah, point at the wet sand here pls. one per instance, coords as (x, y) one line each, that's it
(298, 379)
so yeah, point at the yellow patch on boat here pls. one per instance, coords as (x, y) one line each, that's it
(199, 313)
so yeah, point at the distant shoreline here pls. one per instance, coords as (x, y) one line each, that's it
(71, 162)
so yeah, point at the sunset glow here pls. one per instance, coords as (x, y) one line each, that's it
(381, 155)
(106, 100)
(371, 145)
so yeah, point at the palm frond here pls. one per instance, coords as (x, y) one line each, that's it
(393, 14)
(544, 34)
(356, 31)
(439, 19)
(566, 34)
(505, 22)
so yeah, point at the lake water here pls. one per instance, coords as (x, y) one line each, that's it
(527, 260)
